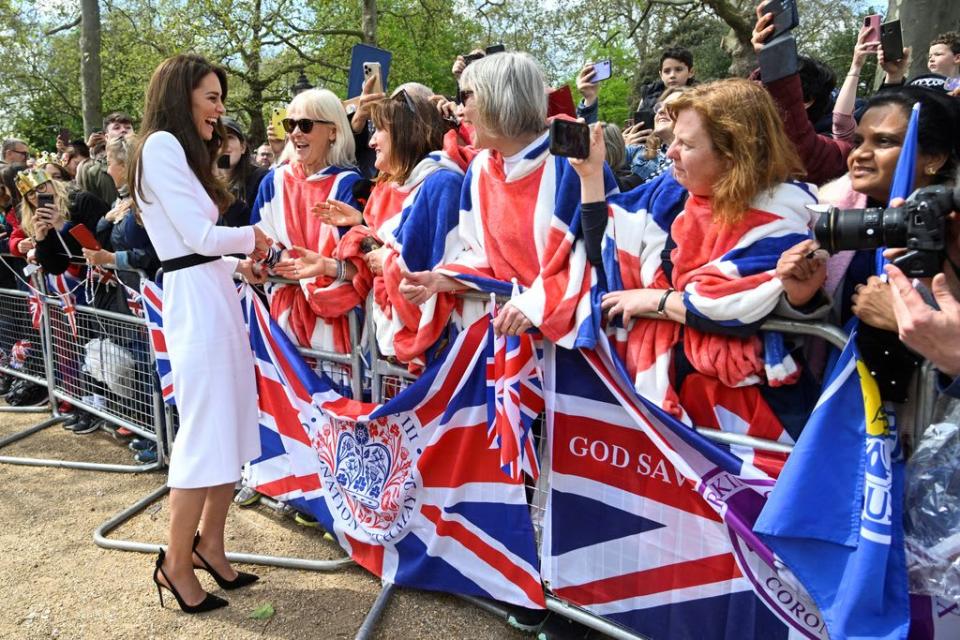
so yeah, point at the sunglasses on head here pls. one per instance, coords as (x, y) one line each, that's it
(305, 124)
(403, 96)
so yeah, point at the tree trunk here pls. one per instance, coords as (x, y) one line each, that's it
(922, 21)
(90, 65)
(368, 23)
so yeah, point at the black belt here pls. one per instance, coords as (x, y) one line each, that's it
(189, 260)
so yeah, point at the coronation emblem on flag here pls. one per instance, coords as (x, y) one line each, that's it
(369, 466)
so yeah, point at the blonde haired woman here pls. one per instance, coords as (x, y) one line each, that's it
(47, 223)
(320, 172)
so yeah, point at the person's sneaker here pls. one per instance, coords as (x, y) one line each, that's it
(140, 444)
(147, 456)
(305, 520)
(246, 497)
(88, 423)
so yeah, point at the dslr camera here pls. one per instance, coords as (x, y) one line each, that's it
(920, 225)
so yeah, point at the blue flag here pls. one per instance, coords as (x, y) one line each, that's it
(835, 515)
(902, 185)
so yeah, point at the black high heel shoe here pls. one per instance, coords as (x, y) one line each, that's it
(210, 602)
(242, 579)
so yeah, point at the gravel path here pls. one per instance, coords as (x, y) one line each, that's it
(56, 583)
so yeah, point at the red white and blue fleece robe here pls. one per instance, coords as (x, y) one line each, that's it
(526, 225)
(726, 275)
(417, 222)
(313, 314)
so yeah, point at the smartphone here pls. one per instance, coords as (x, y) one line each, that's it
(785, 16)
(369, 244)
(601, 70)
(84, 237)
(45, 200)
(276, 119)
(644, 118)
(373, 69)
(495, 48)
(891, 41)
(872, 23)
(778, 58)
(223, 162)
(569, 139)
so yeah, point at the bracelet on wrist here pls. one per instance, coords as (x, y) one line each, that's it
(662, 306)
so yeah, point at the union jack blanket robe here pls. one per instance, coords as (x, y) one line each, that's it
(417, 222)
(726, 274)
(314, 314)
(524, 224)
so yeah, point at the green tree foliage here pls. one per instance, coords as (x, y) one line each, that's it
(265, 44)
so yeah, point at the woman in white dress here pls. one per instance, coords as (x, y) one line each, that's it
(173, 183)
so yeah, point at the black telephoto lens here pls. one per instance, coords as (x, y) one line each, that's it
(854, 229)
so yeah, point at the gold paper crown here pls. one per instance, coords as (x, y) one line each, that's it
(46, 158)
(30, 179)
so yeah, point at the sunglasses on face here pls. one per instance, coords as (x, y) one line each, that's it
(305, 124)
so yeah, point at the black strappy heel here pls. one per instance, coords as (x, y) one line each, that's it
(242, 579)
(210, 602)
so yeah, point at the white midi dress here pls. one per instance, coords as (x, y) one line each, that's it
(210, 356)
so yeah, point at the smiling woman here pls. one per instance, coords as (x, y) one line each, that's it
(172, 182)
(320, 174)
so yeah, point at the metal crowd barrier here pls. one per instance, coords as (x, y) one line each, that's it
(383, 380)
(388, 379)
(117, 343)
(16, 328)
(345, 370)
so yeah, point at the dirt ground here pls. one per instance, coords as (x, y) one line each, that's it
(56, 583)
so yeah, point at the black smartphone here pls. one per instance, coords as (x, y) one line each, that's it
(601, 70)
(223, 162)
(644, 118)
(369, 244)
(569, 139)
(891, 41)
(785, 16)
(778, 58)
(45, 200)
(495, 48)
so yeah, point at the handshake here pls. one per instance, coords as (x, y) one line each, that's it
(253, 268)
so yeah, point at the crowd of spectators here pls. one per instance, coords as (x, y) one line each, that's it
(706, 206)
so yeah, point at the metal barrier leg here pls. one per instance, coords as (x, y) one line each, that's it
(67, 464)
(101, 540)
(591, 620)
(376, 611)
(43, 408)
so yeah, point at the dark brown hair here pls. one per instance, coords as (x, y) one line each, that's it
(168, 107)
(416, 129)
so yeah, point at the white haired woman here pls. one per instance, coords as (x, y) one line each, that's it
(321, 171)
(519, 208)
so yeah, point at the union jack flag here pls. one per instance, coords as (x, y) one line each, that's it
(409, 488)
(36, 308)
(68, 302)
(134, 300)
(514, 400)
(669, 551)
(152, 298)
